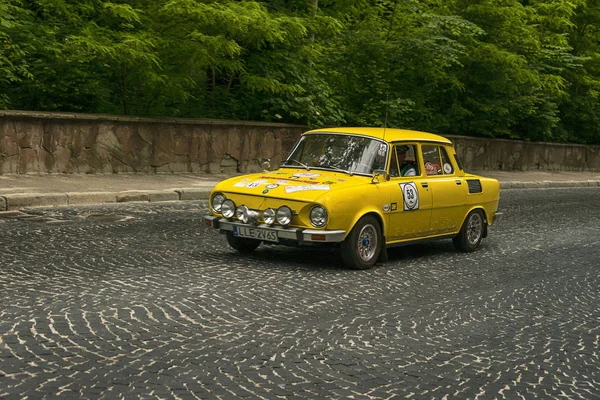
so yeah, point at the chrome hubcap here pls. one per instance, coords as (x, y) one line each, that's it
(367, 242)
(475, 228)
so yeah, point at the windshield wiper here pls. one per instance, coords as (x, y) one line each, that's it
(337, 169)
(297, 162)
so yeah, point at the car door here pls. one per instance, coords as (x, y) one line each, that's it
(447, 189)
(410, 200)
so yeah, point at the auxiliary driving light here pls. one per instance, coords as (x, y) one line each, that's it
(241, 213)
(269, 216)
(246, 215)
(283, 215)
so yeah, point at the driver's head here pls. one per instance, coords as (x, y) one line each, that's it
(402, 153)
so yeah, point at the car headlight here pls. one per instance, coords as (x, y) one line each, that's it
(283, 215)
(318, 216)
(216, 202)
(269, 216)
(228, 208)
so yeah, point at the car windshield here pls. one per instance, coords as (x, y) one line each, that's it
(346, 153)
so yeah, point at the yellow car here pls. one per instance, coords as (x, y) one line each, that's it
(360, 189)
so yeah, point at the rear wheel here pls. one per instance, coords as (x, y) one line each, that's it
(242, 244)
(471, 233)
(362, 246)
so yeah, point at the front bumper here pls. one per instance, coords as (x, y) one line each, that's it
(299, 235)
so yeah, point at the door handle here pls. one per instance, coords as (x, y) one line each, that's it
(458, 182)
(425, 184)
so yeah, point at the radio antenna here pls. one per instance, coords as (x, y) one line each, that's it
(387, 102)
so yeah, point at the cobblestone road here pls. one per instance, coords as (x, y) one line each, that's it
(144, 301)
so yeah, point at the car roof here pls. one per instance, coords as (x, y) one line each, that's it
(387, 134)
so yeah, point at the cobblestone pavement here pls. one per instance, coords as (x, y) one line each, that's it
(144, 301)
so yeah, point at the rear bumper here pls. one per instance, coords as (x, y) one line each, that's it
(495, 217)
(299, 235)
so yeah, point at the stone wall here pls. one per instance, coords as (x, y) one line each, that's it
(37, 142)
(499, 154)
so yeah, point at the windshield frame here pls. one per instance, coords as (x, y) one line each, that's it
(299, 141)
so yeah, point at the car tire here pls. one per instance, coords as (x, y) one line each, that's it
(361, 247)
(471, 233)
(242, 244)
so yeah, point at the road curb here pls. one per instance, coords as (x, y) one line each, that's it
(193, 194)
(80, 198)
(549, 184)
(16, 201)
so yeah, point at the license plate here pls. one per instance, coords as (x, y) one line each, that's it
(255, 233)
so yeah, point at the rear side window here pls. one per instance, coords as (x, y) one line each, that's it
(458, 162)
(446, 164)
(432, 160)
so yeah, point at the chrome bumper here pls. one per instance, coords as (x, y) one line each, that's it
(495, 216)
(298, 235)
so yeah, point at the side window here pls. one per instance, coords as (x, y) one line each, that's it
(447, 165)
(404, 160)
(431, 159)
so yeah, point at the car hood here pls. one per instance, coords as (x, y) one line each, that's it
(291, 183)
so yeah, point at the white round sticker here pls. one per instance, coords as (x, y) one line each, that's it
(447, 168)
(411, 196)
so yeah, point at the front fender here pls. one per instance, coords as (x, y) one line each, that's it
(346, 207)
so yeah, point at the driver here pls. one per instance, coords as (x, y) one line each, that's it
(406, 169)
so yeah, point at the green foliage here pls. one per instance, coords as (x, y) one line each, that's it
(13, 64)
(510, 68)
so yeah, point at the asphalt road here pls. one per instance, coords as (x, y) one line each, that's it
(144, 301)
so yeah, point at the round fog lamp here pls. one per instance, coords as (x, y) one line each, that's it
(217, 202)
(269, 216)
(242, 214)
(228, 208)
(283, 215)
(318, 216)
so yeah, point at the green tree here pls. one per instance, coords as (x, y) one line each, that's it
(396, 62)
(514, 75)
(580, 115)
(526, 69)
(13, 64)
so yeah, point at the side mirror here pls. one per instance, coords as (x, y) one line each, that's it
(265, 163)
(380, 172)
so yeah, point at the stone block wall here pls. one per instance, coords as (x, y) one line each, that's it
(39, 142)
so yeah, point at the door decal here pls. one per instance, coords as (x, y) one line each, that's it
(410, 195)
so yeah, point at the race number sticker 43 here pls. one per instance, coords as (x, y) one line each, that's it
(410, 195)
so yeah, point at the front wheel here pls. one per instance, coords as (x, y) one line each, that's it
(362, 246)
(471, 233)
(242, 244)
